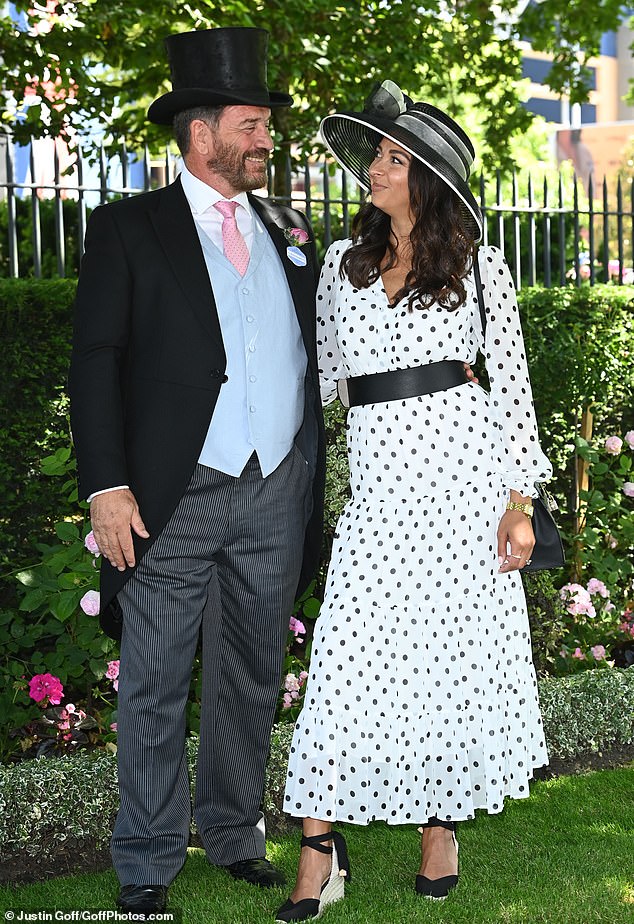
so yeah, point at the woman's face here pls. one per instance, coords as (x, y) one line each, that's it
(388, 179)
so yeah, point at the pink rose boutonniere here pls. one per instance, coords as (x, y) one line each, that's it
(296, 238)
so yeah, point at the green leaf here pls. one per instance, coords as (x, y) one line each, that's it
(69, 581)
(311, 607)
(67, 532)
(28, 578)
(34, 599)
(65, 604)
(17, 629)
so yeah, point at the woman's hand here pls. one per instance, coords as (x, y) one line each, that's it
(471, 374)
(516, 540)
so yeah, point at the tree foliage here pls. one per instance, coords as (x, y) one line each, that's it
(103, 61)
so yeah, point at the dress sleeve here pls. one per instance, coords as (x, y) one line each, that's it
(330, 360)
(521, 460)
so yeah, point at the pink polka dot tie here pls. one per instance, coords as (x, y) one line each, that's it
(233, 243)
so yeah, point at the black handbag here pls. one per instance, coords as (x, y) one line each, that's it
(549, 549)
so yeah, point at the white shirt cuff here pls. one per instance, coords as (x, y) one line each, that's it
(121, 487)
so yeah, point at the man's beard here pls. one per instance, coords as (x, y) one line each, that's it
(231, 166)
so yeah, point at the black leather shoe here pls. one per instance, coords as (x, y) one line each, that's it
(142, 899)
(259, 872)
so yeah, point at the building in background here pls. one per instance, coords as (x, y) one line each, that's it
(594, 136)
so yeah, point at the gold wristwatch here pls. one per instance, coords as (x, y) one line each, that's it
(524, 508)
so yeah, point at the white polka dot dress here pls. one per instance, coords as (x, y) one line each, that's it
(422, 697)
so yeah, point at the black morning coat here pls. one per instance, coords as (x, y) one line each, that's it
(148, 362)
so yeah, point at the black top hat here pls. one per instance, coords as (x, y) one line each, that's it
(422, 130)
(216, 67)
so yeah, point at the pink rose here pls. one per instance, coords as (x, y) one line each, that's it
(296, 626)
(628, 489)
(301, 236)
(46, 687)
(595, 586)
(90, 603)
(91, 543)
(628, 623)
(629, 438)
(291, 683)
(577, 600)
(113, 674)
(287, 701)
(113, 670)
(572, 589)
(113, 726)
(613, 445)
(598, 652)
(303, 675)
(578, 653)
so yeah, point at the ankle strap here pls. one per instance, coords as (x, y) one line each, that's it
(438, 823)
(340, 846)
(315, 841)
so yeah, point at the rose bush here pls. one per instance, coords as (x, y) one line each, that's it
(597, 632)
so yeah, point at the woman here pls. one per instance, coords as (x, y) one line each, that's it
(422, 701)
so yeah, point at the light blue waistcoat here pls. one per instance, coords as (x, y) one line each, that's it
(261, 405)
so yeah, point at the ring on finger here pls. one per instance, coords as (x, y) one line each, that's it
(516, 556)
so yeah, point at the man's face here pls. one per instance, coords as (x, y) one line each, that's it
(240, 147)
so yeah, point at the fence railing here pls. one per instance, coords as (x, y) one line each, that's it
(552, 232)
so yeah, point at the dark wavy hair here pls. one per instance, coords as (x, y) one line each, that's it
(442, 247)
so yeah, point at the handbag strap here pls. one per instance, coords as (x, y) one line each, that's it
(479, 293)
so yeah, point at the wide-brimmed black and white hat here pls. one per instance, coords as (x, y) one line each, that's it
(422, 130)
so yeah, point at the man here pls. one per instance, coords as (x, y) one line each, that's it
(198, 430)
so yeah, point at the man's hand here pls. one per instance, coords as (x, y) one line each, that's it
(114, 515)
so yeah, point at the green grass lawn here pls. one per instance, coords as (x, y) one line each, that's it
(564, 856)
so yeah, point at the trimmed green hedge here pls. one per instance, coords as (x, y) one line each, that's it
(35, 328)
(48, 801)
(580, 350)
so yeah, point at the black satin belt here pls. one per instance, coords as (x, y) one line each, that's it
(403, 383)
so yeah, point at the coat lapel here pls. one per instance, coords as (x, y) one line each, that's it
(301, 279)
(174, 226)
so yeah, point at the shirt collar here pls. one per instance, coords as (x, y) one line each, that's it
(201, 196)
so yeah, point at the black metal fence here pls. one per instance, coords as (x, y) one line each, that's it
(552, 230)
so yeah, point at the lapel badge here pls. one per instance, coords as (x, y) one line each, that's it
(296, 238)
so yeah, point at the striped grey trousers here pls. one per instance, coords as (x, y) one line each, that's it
(228, 561)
